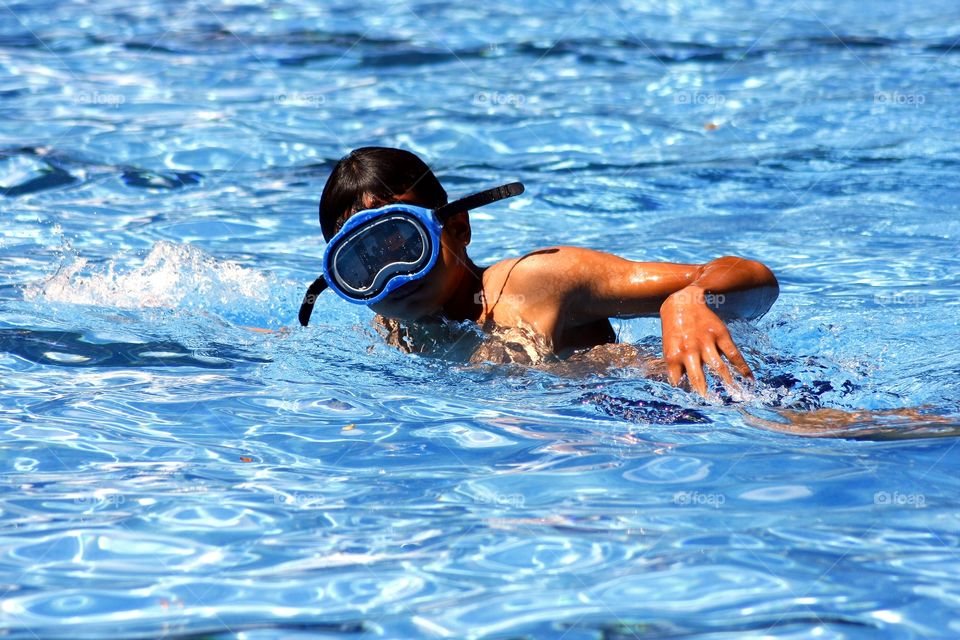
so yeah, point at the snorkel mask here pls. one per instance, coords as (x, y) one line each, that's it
(379, 250)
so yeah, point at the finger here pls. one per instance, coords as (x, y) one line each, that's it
(717, 365)
(733, 355)
(695, 373)
(674, 373)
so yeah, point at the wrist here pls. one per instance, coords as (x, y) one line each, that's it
(691, 293)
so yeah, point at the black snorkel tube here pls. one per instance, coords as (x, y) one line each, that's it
(309, 298)
(457, 206)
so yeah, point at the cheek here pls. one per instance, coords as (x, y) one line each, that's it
(436, 288)
(430, 286)
(446, 268)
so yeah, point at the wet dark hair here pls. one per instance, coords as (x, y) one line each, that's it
(382, 173)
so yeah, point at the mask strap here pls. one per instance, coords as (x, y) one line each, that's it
(479, 200)
(309, 298)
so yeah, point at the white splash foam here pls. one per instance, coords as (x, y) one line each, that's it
(172, 275)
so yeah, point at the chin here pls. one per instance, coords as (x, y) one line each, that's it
(402, 312)
(404, 316)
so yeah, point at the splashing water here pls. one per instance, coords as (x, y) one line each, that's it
(173, 276)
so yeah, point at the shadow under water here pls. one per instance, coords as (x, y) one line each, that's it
(71, 349)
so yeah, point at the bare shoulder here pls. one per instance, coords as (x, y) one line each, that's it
(531, 270)
(544, 262)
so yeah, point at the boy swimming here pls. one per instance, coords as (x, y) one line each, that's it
(396, 245)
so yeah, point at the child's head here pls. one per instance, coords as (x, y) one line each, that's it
(371, 177)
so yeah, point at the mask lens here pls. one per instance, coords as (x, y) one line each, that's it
(386, 247)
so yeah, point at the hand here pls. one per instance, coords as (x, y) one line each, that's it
(693, 335)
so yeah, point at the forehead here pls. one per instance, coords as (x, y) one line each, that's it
(372, 202)
(369, 201)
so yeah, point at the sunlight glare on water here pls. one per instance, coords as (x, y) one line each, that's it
(167, 471)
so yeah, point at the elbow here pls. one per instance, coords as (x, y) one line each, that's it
(765, 277)
(768, 289)
(758, 288)
(769, 295)
(767, 286)
(759, 274)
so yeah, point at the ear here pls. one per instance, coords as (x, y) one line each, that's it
(458, 226)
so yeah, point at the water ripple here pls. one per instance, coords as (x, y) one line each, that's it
(179, 458)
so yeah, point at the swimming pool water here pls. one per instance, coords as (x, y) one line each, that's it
(168, 472)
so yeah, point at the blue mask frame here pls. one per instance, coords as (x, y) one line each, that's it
(394, 275)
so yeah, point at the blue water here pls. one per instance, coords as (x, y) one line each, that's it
(168, 472)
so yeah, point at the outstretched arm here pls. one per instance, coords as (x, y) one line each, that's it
(733, 287)
(690, 299)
